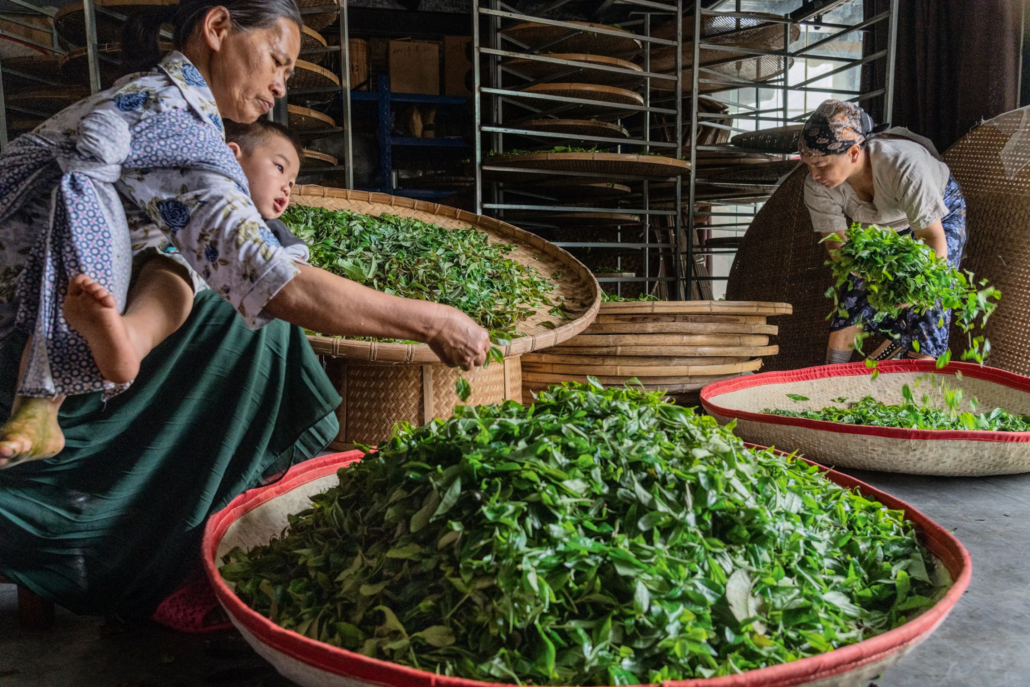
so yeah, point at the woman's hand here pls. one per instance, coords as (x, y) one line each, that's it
(458, 340)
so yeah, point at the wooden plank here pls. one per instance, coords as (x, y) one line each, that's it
(679, 328)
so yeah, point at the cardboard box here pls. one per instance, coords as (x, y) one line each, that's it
(414, 67)
(456, 64)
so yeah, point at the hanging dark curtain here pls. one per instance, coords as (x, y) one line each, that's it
(958, 63)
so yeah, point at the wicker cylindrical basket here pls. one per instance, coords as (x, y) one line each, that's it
(417, 386)
(916, 451)
(256, 516)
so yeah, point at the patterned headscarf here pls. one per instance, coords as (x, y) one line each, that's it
(834, 127)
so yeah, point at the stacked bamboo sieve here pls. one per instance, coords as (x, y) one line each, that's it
(675, 347)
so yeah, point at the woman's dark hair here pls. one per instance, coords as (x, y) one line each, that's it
(141, 50)
(249, 136)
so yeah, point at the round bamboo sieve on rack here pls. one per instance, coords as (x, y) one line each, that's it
(315, 159)
(312, 40)
(305, 119)
(386, 382)
(585, 91)
(615, 164)
(49, 100)
(575, 127)
(319, 20)
(583, 71)
(310, 75)
(563, 39)
(779, 139)
(46, 67)
(576, 219)
(70, 20)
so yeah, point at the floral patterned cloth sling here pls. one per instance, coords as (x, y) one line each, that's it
(140, 166)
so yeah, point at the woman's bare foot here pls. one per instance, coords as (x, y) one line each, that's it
(93, 312)
(32, 432)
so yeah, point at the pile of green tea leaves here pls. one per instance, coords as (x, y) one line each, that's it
(406, 257)
(597, 537)
(902, 272)
(613, 298)
(912, 415)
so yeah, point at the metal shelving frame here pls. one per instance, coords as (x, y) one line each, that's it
(496, 100)
(809, 14)
(54, 48)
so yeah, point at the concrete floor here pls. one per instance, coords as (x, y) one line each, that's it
(983, 643)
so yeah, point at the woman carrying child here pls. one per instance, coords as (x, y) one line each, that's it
(230, 394)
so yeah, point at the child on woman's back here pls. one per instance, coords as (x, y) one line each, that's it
(161, 298)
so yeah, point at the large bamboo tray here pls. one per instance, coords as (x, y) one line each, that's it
(925, 452)
(575, 127)
(763, 174)
(608, 98)
(319, 20)
(695, 308)
(44, 66)
(565, 40)
(614, 164)
(310, 75)
(70, 20)
(582, 72)
(257, 515)
(313, 40)
(780, 139)
(49, 100)
(577, 284)
(577, 219)
(314, 159)
(305, 119)
(75, 65)
(573, 188)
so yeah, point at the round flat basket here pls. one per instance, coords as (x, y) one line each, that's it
(70, 20)
(584, 71)
(576, 219)
(665, 372)
(305, 119)
(310, 75)
(576, 127)
(614, 164)
(695, 308)
(680, 328)
(75, 65)
(573, 188)
(256, 516)
(18, 72)
(315, 159)
(719, 340)
(318, 20)
(916, 451)
(540, 331)
(312, 40)
(563, 39)
(47, 101)
(763, 174)
(611, 96)
(780, 139)
(613, 361)
(642, 348)
(727, 319)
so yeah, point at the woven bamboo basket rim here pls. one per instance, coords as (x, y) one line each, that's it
(577, 283)
(729, 319)
(727, 69)
(724, 241)
(766, 173)
(313, 158)
(891, 449)
(778, 139)
(646, 373)
(639, 360)
(310, 75)
(536, 35)
(576, 127)
(534, 69)
(49, 98)
(625, 163)
(680, 328)
(322, 19)
(695, 307)
(615, 275)
(306, 119)
(643, 349)
(70, 20)
(584, 187)
(757, 33)
(309, 38)
(752, 340)
(578, 219)
(670, 387)
(44, 66)
(255, 512)
(609, 95)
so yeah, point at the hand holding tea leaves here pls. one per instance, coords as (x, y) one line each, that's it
(900, 272)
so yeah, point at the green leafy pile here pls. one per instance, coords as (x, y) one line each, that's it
(910, 415)
(900, 271)
(613, 298)
(595, 537)
(410, 258)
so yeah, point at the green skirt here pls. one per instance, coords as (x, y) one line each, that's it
(113, 523)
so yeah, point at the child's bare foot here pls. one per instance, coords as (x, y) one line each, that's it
(32, 432)
(93, 312)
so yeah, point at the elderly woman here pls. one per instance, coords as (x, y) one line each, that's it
(892, 182)
(112, 523)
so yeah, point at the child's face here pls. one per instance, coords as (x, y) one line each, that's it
(271, 170)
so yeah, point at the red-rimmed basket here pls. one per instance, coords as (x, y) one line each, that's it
(914, 451)
(255, 516)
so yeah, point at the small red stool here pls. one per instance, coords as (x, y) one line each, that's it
(34, 612)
